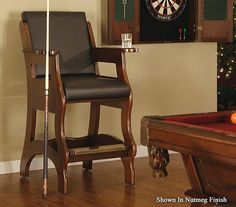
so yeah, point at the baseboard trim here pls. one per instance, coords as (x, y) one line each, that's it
(13, 166)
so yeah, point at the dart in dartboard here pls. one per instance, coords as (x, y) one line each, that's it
(185, 32)
(180, 33)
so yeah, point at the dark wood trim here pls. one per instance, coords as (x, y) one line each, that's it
(215, 30)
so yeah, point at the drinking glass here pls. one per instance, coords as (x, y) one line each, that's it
(126, 40)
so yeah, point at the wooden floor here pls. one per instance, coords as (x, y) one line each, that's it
(102, 187)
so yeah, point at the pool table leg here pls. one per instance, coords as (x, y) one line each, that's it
(192, 174)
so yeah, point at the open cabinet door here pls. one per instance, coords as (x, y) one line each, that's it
(215, 20)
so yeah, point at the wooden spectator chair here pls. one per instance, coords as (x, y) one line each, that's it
(74, 78)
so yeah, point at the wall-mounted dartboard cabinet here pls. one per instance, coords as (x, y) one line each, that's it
(167, 20)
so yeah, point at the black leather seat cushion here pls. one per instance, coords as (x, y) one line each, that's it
(88, 87)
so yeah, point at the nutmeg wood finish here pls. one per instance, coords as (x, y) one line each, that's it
(207, 143)
(63, 150)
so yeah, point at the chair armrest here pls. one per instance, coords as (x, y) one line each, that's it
(38, 56)
(110, 54)
(114, 55)
(41, 52)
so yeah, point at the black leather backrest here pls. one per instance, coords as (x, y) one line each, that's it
(68, 34)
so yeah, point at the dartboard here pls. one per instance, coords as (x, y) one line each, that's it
(165, 10)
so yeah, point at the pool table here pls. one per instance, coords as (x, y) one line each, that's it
(207, 143)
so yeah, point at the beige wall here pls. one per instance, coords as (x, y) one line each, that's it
(166, 79)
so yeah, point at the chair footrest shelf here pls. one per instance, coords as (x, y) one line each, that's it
(101, 143)
(97, 149)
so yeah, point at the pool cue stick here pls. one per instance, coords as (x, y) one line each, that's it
(45, 155)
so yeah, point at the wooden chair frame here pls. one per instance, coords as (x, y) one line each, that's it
(63, 150)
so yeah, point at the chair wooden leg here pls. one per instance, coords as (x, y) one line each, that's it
(62, 179)
(28, 154)
(128, 162)
(62, 150)
(25, 165)
(87, 164)
(93, 129)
